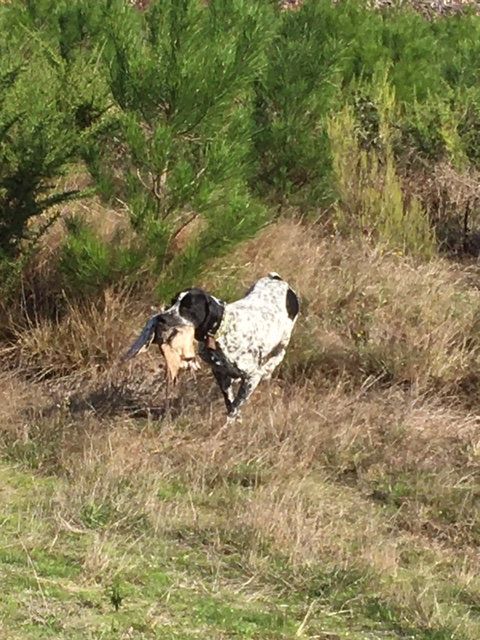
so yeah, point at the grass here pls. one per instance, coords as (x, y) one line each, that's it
(67, 582)
(345, 505)
(149, 588)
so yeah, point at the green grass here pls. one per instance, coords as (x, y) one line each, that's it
(161, 590)
(62, 582)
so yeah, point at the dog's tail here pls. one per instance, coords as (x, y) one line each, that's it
(144, 340)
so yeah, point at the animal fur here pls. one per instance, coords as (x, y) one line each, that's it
(243, 341)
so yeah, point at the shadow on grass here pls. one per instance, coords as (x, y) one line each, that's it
(135, 399)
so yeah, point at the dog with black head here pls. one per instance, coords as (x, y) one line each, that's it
(242, 341)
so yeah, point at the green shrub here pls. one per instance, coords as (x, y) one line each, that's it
(89, 263)
(181, 77)
(35, 146)
(213, 112)
(370, 198)
(326, 55)
(301, 85)
(49, 101)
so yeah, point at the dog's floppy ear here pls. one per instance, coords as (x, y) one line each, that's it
(215, 311)
(202, 310)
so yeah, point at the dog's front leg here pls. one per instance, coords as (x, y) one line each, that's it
(247, 387)
(225, 383)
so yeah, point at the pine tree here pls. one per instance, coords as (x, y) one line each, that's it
(48, 105)
(181, 76)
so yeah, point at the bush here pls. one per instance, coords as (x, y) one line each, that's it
(180, 76)
(302, 84)
(50, 100)
(89, 264)
(326, 56)
(195, 118)
(34, 147)
(370, 198)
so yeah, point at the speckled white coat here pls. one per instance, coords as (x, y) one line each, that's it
(256, 329)
(248, 343)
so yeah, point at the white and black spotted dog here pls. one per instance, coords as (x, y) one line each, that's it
(242, 341)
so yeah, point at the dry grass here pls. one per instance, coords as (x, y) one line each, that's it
(450, 195)
(368, 312)
(90, 335)
(359, 463)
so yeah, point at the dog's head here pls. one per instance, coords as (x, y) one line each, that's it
(196, 308)
(192, 315)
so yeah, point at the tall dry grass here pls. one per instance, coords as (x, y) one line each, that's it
(361, 456)
(368, 313)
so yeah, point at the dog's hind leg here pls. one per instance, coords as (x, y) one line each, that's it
(271, 364)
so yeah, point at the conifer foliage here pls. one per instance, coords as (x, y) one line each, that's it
(199, 119)
(181, 79)
(48, 104)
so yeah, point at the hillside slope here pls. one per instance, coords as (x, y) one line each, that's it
(345, 505)
(208, 143)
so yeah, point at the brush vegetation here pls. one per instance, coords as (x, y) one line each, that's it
(148, 146)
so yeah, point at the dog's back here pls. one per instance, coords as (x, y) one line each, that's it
(259, 324)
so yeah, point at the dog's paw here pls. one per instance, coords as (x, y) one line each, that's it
(233, 416)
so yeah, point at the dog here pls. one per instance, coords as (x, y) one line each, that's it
(242, 341)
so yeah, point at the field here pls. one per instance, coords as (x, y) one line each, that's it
(345, 505)
(334, 144)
